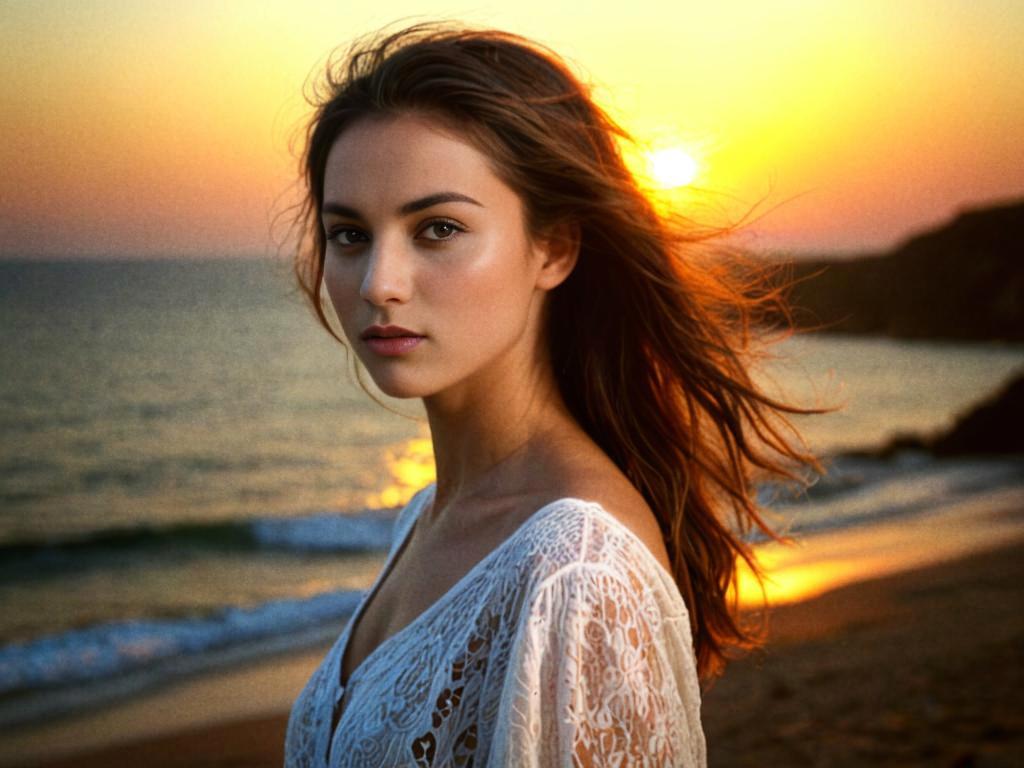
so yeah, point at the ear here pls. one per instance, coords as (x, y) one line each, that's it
(558, 250)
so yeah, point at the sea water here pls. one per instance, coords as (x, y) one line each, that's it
(188, 466)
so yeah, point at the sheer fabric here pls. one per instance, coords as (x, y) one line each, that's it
(567, 645)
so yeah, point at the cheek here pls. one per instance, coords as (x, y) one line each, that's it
(342, 287)
(487, 294)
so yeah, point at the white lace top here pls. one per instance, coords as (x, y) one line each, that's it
(568, 644)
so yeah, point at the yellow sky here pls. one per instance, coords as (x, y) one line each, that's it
(140, 128)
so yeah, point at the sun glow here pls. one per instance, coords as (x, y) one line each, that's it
(672, 167)
(411, 466)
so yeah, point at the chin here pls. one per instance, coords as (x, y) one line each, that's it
(398, 387)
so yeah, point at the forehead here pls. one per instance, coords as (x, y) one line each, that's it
(404, 157)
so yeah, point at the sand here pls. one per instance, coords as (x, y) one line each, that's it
(918, 667)
(922, 668)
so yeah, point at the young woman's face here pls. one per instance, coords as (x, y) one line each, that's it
(422, 234)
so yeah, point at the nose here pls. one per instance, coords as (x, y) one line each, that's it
(387, 278)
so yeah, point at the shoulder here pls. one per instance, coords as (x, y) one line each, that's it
(581, 469)
(626, 506)
(591, 562)
(586, 533)
(631, 509)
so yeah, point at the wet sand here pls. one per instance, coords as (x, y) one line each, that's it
(921, 667)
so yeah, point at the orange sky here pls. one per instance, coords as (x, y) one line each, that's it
(143, 128)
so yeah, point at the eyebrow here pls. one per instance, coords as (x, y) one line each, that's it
(406, 208)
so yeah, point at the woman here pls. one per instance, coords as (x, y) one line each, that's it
(558, 594)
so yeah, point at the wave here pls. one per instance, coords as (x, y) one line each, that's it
(856, 489)
(115, 649)
(368, 531)
(863, 490)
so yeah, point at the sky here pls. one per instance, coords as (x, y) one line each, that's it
(136, 129)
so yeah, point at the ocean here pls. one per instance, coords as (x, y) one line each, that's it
(189, 473)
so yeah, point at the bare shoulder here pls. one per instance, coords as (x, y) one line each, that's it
(630, 508)
(624, 502)
(579, 468)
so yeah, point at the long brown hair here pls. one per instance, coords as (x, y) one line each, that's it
(651, 336)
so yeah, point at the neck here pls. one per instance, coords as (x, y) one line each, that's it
(495, 434)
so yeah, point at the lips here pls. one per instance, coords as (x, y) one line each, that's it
(388, 332)
(393, 346)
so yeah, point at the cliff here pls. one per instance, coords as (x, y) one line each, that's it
(962, 281)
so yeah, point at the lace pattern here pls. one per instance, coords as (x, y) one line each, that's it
(568, 644)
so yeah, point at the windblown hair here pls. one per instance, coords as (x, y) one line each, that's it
(650, 337)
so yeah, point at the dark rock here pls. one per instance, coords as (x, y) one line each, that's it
(995, 425)
(962, 281)
(992, 426)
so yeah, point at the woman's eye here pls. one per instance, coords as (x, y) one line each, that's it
(346, 236)
(442, 230)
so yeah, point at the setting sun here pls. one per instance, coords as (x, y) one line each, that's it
(672, 167)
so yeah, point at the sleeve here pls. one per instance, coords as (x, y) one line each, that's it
(598, 677)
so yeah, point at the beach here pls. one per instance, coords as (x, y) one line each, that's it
(923, 668)
(905, 663)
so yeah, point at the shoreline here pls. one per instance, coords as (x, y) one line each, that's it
(237, 715)
(257, 690)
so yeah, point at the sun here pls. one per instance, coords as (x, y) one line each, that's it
(672, 167)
